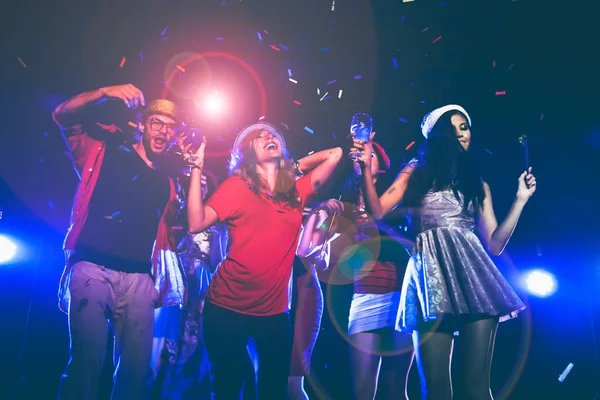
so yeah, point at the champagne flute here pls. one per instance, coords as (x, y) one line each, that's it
(362, 127)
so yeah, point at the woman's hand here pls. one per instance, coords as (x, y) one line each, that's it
(194, 158)
(527, 185)
(331, 207)
(363, 150)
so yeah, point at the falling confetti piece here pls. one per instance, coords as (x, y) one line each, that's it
(51, 204)
(283, 47)
(494, 63)
(259, 36)
(411, 144)
(132, 124)
(22, 63)
(438, 38)
(395, 63)
(407, 1)
(333, 6)
(330, 82)
(442, 4)
(177, 228)
(220, 38)
(324, 49)
(289, 72)
(141, 57)
(511, 66)
(402, 19)
(122, 62)
(487, 151)
(134, 178)
(307, 129)
(340, 94)
(261, 118)
(310, 152)
(426, 29)
(46, 133)
(265, 31)
(501, 93)
(318, 91)
(165, 38)
(333, 134)
(326, 93)
(179, 67)
(542, 117)
(164, 31)
(297, 102)
(116, 214)
(274, 47)
(357, 77)
(293, 80)
(402, 120)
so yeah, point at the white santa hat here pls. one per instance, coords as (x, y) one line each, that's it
(431, 118)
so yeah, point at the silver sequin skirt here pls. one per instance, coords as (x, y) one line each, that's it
(451, 275)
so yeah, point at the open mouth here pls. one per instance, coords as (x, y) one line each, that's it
(160, 141)
(271, 146)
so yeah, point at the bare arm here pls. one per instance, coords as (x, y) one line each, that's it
(380, 206)
(494, 236)
(312, 235)
(324, 163)
(68, 112)
(200, 217)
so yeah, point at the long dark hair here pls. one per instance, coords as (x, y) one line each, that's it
(243, 164)
(443, 164)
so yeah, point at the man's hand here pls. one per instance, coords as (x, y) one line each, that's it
(129, 94)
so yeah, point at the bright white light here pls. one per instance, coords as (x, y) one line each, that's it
(540, 283)
(214, 104)
(7, 249)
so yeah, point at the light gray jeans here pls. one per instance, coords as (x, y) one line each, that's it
(100, 296)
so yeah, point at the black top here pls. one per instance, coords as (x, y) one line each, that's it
(124, 212)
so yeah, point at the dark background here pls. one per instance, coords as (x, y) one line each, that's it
(542, 55)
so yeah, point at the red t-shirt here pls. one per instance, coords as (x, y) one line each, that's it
(254, 276)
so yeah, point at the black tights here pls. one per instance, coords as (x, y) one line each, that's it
(433, 350)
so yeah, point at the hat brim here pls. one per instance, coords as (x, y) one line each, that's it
(243, 135)
(431, 119)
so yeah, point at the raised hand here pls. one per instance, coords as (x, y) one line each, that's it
(195, 158)
(362, 151)
(129, 94)
(527, 185)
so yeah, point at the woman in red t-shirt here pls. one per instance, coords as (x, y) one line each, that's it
(261, 205)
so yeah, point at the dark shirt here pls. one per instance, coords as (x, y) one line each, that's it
(124, 212)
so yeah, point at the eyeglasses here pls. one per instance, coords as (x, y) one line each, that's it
(157, 125)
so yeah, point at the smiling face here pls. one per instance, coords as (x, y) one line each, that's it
(158, 131)
(462, 130)
(266, 147)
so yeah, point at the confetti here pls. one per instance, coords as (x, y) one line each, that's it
(164, 31)
(122, 62)
(177, 228)
(51, 204)
(395, 63)
(511, 66)
(563, 376)
(165, 38)
(318, 91)
(501, 93)
(411, 144)
(297, 102)
(442, 4)
(134, 178)
(330, 82)
(116, 214)
(326, 93)
(126, 149)
(402, 120)
(46, 133)
(407, 1)
(293, 80)
(402, 19)
(324, 49)
(333, 134)
(357, 77)
(274, 47)
(22, 63)
(261, 118)
(310, 152)
(426, 29)
(289, 72)
(265, 31)
(179, 67)
(487, 151)
(307, 129)
(542, 117)
(283, 47)
(259, 36)
(438, 38)
(132, 124)
(494, 63)
(333, 6)
(141, 57)
(340, 94)
(220, 38)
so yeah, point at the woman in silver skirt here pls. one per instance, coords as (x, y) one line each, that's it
(451, 285)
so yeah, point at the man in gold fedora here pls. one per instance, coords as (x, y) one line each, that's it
(120, 263)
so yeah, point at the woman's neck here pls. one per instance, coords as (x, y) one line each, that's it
(268, 173)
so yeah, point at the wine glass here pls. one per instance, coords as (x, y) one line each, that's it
(362, 127)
